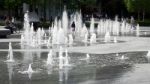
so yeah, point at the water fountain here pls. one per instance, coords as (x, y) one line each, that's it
(123, 26)
(99, 28)
(70, 39)
(49, 69)
(10, 70)
(59, 31)
(38, 37)
(148, 54)
(107, 37)
(117, 54)
(29, 71)
(10, 54)
(26, 34)
(61, 58)
(115, 40)
(28, 56)
(116, 27)
(123, 57)
(66, 59)
(92, 30)
(61, 36)
(50, 58)
(65, 21)
(22, 39)
(87, 56)
(66, 72)
(84, 31)
(93, 38)
(66, 40)
(54, 34)
(78, 22)
(33, 38)
(137, 30)
(61, 75)
(49, 42)
(58, 34)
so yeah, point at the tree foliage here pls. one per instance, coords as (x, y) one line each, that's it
(138, 6)
(89, 3)
(111, 7)
(11, 4)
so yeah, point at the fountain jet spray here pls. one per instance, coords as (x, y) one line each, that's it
(50, 58)
(66, 58)
(61, 58)
(10, 54)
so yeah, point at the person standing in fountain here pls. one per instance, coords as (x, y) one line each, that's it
(132, 21)
(73, 26)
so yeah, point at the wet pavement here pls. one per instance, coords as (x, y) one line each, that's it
(115, 68)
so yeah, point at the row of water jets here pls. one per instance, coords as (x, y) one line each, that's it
(61, 31)
(63, 60)
(62, 65)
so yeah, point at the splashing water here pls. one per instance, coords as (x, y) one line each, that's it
(148, 54)
(50, 58)
(86, 38)
(107, 37)
(93, 38)
(61, 58)
(66, 60)
(10, 54)
(61, 36)
(29, 71)
(70, 39)
(92, 26)
(138, 30)
(115, 40)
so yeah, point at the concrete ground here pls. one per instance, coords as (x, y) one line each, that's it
(130, 44)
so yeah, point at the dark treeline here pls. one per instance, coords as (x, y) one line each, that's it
(123, 8)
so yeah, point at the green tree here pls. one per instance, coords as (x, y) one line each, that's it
(72, 5)
(87, 6)
(11, 5)
(145, 7)
(138, 6)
